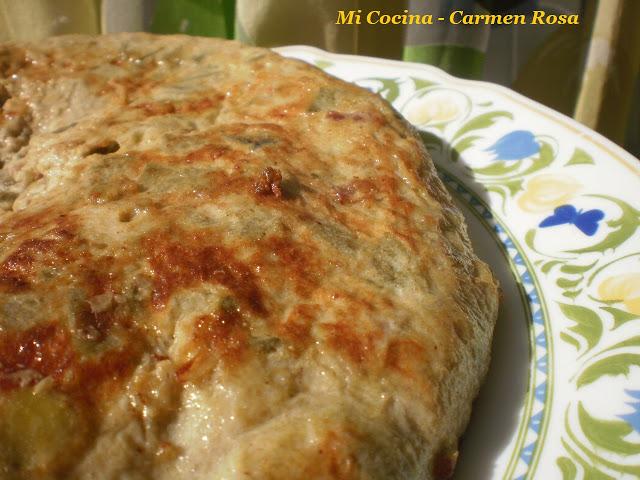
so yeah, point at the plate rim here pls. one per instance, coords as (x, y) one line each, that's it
(451, 180)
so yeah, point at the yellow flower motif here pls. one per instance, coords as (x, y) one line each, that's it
(625, 288)
(547, 191)
(433, 108)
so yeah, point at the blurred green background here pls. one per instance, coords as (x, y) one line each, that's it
(589, 72)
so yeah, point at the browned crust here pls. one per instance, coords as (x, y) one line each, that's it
(221, 227)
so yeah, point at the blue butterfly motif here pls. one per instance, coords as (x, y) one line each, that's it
(587, 221)
(516, 145)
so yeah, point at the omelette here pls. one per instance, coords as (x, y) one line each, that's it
(218, 263)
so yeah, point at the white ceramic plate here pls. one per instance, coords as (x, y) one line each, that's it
(554, 208)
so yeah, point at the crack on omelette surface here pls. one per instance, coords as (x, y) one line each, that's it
(218, 263)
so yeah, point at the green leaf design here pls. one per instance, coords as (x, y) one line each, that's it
(613, 240)
(570, 340)
(620, 317)
(544, 159)
(587, 323)
(591, 472)
(575, 269)
(546, 268)
(504, 189)
(420, 83)
(595, 273)
(389, 89)
(529, 239)
(580, 157)
(501, 191)
(461, 145)
(514, 186)
(479, 122)
(603, 302)
(567, 467)
(566, 283)
(625, 226)
(571, 294)
(498, 168)
(629, 342)
(613, 365)
(607, 434)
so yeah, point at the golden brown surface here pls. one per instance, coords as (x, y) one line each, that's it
(217, 263)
